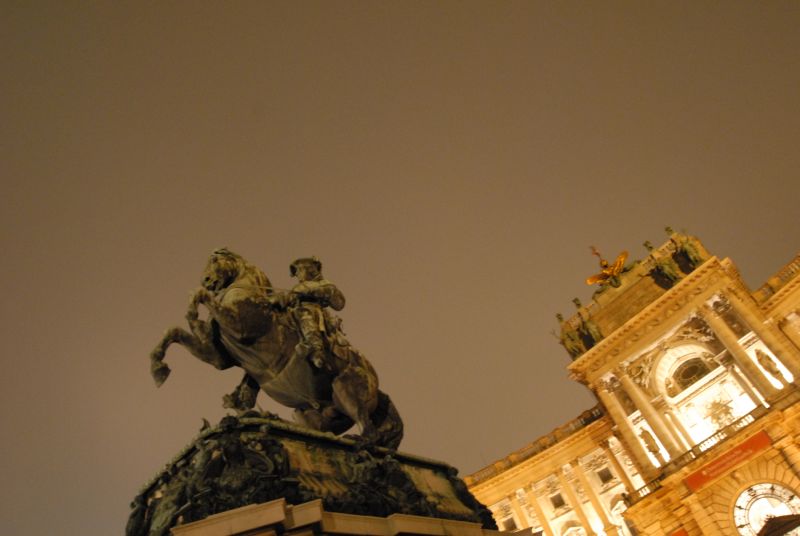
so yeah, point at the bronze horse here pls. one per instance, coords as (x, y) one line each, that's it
(246, 328)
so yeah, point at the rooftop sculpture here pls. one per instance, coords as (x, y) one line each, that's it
(609, 273)
(289, 344)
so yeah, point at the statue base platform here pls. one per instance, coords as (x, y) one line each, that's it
(311, 519)
(261, 462)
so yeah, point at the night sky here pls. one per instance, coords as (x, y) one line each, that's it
(449, 162)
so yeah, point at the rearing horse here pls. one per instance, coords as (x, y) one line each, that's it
(246, 329)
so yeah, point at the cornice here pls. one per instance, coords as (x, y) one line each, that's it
(652, 317)
(559, 454)
(776, 300)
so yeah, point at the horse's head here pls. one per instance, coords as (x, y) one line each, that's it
(222, 269)
(226, 267)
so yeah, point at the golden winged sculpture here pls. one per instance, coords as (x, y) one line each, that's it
(609, 273)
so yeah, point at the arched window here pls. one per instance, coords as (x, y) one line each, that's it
(681, 365)
(688, 372)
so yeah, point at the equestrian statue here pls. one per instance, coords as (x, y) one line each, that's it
(289, 344)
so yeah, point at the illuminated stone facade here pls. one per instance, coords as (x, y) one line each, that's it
(697, 430)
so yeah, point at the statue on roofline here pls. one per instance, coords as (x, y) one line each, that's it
(289, 344)
(665, 270)
(686, 253)
(588, 331)
(569, 338)
(609, 273)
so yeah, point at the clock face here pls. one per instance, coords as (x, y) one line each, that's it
(759, 503)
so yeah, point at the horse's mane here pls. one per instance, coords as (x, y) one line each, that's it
(246, 273)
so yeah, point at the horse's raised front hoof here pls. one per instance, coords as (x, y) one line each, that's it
(160, 372)
(157, 354)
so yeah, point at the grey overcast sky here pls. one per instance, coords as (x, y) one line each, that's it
(449, 162)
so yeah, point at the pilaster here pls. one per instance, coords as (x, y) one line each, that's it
(706, 523)
(608, 527)
(519, 515)
(533, 500)
(574, 501)
(618, 469)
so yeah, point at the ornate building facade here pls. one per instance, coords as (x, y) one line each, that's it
(697, 429)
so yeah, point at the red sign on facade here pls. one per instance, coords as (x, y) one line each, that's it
(738, 454)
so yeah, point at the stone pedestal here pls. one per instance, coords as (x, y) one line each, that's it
(311, 519)
(257, 459)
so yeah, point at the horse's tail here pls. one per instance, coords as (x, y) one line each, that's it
(387, 422)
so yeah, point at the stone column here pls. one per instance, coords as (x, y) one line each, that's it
(650, 414)
(729, 340)
(617, 467)
(683, 434)
(638, 454)
(743, 383)
(768, 332)
(574, 501)
(791, 328)
(533, 500)
(608, 526)
(519, 515)
(674, 426)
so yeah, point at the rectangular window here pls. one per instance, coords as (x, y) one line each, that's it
(508, 524)
(557, 501)
(605, 475)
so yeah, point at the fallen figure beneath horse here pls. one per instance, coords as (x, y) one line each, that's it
(288, 343)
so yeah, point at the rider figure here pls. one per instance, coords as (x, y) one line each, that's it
(308, 300)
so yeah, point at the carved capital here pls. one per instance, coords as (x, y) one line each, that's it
(609, 385)
(579, 377)
(706, 311)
